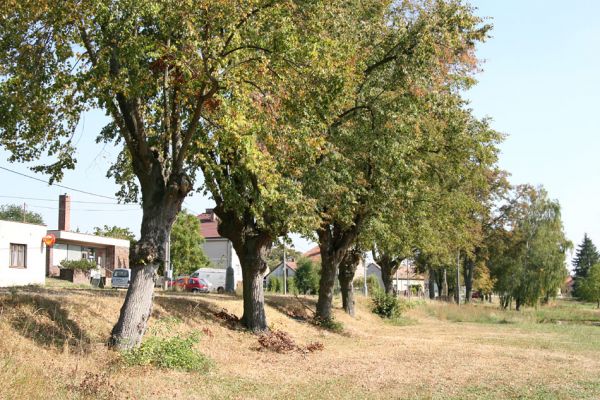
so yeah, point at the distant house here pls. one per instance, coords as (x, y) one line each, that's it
(314, 254)
(22, 254)
(405, 277)
(108, 253)
(219, 250)
(277, 272)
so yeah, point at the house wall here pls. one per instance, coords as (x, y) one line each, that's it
(30, 235)
(221, 254)
(278, 273)
(372, 269)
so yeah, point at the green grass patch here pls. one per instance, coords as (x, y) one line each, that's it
(169, 353)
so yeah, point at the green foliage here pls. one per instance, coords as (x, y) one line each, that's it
(373, 284)
(307, 276)
(585, 257)
(528, 258)
(386, 305)
(187, 254)
(276, 255)
(81, 265)
(275, 284)
(13, 212)
(116, 232)
(590, 286)
(170, 353)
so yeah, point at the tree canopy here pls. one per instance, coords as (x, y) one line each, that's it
(115, 232)
(16, 213)
(585, 257)
(187, 254)
(528, 260)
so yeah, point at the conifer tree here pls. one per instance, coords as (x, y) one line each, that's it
(585, 257)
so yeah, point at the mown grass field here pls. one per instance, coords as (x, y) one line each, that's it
(52, 347)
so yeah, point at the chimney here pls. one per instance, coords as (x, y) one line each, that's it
(211, 214)
(64, 212)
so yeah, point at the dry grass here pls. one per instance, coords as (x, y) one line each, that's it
(52, 347)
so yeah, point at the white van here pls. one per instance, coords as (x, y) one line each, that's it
(120, 278)
(214, 276)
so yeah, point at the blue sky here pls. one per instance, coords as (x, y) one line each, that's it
(540, 85)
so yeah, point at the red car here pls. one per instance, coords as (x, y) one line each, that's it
(194, 285)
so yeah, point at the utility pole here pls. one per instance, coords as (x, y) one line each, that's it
(24, 212)
(284, 269)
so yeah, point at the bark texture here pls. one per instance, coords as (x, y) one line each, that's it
(252, 246)
(431, 277)
(147, 256)
(468, 271)
(334, 243)
(389, 265)
(346, 276)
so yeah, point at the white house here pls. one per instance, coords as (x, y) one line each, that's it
(108, 253)
(404, 277)
(219, 250)
(22, 254)
(277, 272)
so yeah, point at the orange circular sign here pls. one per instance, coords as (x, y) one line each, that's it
(49, 240)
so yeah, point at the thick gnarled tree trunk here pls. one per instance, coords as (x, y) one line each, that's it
(346, 276)
(147, 256)
(334, 243)
(252, 246)
(254, 266)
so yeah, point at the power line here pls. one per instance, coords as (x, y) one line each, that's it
(77, 209)
(58, 185)
(72, 201)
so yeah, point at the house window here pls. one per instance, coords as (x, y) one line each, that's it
(18, 255)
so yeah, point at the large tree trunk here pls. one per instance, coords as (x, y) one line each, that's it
(518, 304)
(252, 246)
(468, 276)
(147, 256)
(329, 266)
(431, 278)
(254, 266)
(444, 284)
(346, 276)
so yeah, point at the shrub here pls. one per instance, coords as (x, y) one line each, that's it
(81, 265)
(386, 305)
(307, 276)
(275, 284)
(170, 353)
(372, 284)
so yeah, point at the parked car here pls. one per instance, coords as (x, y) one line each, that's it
(214, 276)
(178, 283)
(197, 285)
(120, 278)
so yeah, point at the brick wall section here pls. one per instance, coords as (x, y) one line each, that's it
(121, 257)
(64, 212)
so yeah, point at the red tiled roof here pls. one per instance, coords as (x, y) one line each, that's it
(313, 254)
(208, 225)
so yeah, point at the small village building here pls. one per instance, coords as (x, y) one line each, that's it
(108, 253)
(218, 249)
(22, 254)
(278, 271)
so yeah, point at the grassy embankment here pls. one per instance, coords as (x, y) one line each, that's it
(52, 347)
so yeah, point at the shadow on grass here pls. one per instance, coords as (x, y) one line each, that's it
(195, 309)
(46, 322)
